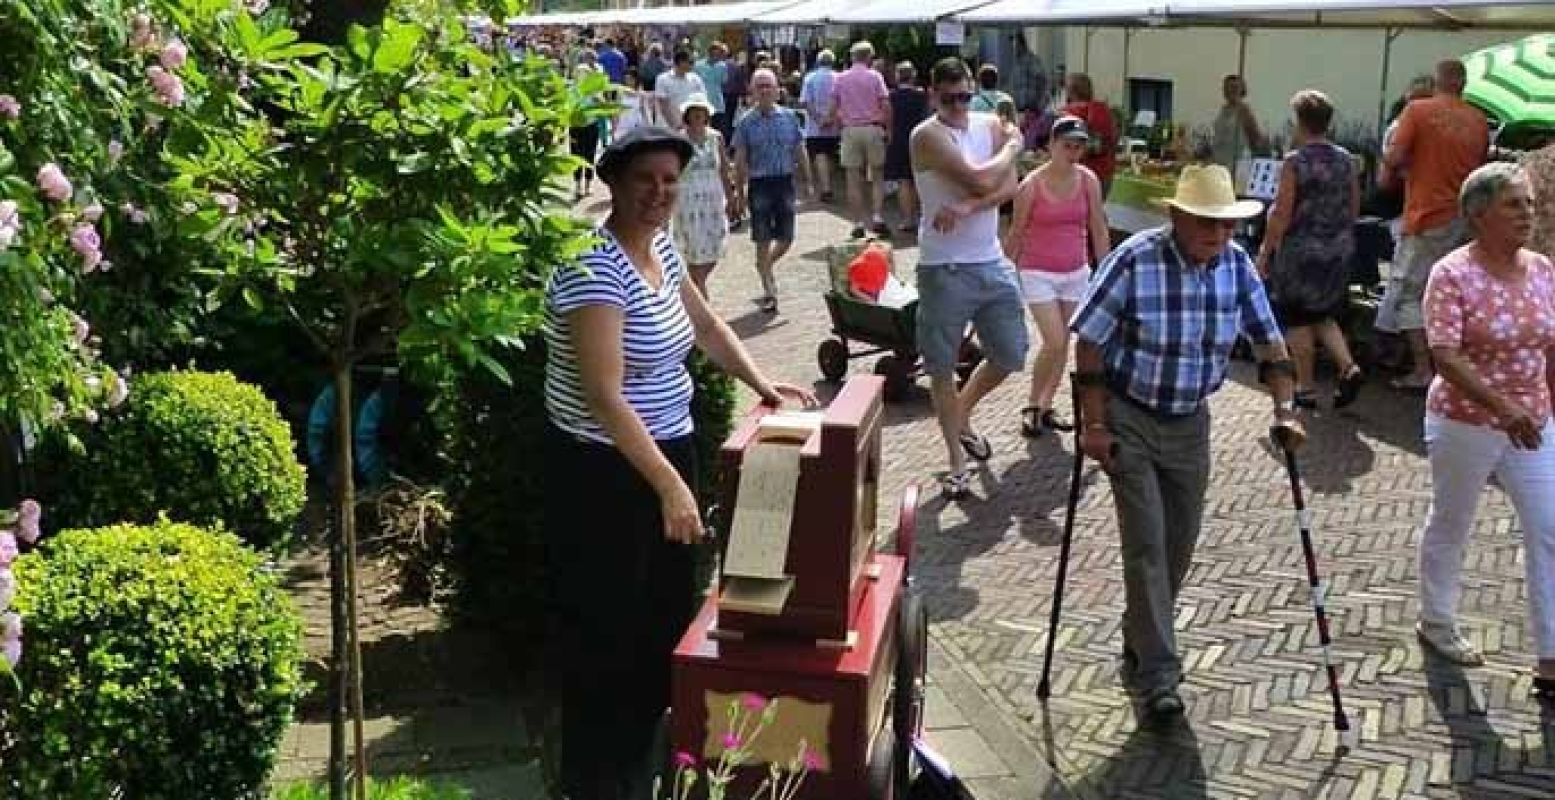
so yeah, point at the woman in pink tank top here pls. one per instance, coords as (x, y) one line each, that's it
(1059, 224)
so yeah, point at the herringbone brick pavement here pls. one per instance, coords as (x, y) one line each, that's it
(1258, 713)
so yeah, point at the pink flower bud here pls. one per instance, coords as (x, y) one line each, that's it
(53, 183)
(10, 107)
(84, 240)
(93, 211)
(812, 761)
(10, 223)
(226, 201)
(753, 702)
(684, 760)
(732, 741)
(79, 330)
(118, 390)
(142, 36)
(174, 54)
(8, 549)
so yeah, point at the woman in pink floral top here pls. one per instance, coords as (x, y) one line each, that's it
(1490, 321)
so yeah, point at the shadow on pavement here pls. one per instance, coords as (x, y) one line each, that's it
(1159, 763)
(1479, 750)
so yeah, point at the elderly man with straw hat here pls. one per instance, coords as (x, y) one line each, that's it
(1155, 331)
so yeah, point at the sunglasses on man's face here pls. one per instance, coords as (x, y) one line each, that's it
(955, 98)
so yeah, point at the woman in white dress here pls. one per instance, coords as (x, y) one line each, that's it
(702, 217)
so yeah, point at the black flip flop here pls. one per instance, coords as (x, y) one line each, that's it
(1349, 388)
(1031, 422)
(1051, 421)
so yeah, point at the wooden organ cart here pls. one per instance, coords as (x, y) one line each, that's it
(808, 613)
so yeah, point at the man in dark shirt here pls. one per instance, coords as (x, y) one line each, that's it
(612, 61)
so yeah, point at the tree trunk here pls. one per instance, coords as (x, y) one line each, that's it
(349, 661)
(337, 663)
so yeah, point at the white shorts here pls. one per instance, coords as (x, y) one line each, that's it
(1038, 286)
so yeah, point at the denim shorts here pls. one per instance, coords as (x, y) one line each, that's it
(985, 294)
(771, 208)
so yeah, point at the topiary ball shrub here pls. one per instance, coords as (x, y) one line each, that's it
(161, 661)
(200, 447)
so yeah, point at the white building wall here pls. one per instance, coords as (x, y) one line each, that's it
(1345, 64)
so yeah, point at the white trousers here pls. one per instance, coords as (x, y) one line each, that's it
(1463, 457)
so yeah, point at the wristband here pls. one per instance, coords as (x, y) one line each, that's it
(1266, 369)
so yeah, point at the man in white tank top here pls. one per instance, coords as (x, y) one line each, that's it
(964, 166)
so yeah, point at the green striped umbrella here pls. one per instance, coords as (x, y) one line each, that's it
(1515, 82)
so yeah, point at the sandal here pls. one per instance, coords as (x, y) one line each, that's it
(767, 305)
(1349, 387)
(976, 446)
(956, 485)
(1031, 422)
(1448, 643)
(1051, 421)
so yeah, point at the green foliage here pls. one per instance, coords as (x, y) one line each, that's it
(162, 662)
(498, 554)
(397, 788)
(401, 197)
(199, 447)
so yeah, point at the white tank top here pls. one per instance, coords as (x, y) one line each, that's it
(975, 239)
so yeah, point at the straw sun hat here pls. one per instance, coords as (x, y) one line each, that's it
(1206, 191)
(696, 100)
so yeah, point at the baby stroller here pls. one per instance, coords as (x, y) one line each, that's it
(891, 330)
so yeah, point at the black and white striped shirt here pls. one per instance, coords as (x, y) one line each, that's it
(656, 338)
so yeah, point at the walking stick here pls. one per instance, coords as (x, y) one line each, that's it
(1043, 687)
(1304, 524)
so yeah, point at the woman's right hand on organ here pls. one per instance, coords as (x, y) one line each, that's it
(682, 518)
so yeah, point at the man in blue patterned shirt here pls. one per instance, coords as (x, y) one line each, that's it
(1155, 332)
(768, 145)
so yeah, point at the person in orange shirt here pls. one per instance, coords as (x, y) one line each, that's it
(1082, 103)
(1440, 140)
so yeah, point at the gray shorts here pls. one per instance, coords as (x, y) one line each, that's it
(1417, 253)
(986, 295)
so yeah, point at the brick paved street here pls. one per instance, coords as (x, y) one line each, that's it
(1258, 721)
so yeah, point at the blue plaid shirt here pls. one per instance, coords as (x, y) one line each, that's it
(1166, 327)
(769, 141)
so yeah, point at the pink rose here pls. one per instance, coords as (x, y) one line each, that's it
(7, 588)
(115, 151)
(732, 741)
(84, 240)
(684, 760)
(753, 702)
(10, 107)
(226, 201)
(11, 637)
(812, 761)
(8, 549)
(167, 86)
(174, 54)
(53, 183)
(93, 211)
(29, 517)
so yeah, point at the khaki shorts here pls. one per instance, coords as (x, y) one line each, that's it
(1417, 253)
(863, 145)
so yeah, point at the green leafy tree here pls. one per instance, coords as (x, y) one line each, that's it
(397, 194)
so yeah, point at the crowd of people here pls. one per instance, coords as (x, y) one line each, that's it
(704, 143)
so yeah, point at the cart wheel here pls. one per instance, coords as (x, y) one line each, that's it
(896, 374)
(912, 669)
(881, 772)
(971, 355)
(832, 356)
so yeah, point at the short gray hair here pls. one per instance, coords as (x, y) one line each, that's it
(862, 50)
(1484, 185)
(826, 57)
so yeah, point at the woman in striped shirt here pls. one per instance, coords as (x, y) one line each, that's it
(621, 501)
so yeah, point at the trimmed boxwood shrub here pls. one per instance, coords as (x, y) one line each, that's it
(161, 661)
(201, 447)
(495, 434)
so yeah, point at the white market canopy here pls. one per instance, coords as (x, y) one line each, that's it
(902, 11)
(1437, 14)
(806, 12)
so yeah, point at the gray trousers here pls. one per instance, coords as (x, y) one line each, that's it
(1161, 473)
